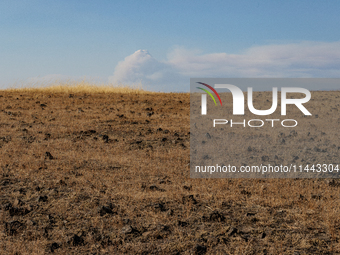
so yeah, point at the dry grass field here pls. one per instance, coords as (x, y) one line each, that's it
(103, 172)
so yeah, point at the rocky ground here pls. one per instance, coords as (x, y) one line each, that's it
(109, 174)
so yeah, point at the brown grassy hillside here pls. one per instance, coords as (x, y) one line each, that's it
(108, 173)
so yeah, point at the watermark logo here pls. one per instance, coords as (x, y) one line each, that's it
(239, 101)
(263, 128)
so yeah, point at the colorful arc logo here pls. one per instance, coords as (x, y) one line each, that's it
(208, 92)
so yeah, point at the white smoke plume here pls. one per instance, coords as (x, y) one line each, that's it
(304, 59)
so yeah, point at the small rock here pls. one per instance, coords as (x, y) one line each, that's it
(216, 216)
(105, 210)
(42, 198)
(147, 234)
(247, 193)
(159, 206)
(232, 231)
(105, 138)
(14, 211)
(126, 221)
(189, 199)
(18, 202)
(54, 246)
(128, 229)
(48, 155)
(13, 227)
(77, 240)
(153, 187)
(187, 187)
(182, 223)
(31, 223)
(265, 158)
(199, 249)
(332, 183)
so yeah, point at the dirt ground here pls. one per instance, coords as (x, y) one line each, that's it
(108, 173)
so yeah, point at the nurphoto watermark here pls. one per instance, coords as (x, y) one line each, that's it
(262, 128)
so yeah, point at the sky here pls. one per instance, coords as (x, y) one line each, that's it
(162, 44)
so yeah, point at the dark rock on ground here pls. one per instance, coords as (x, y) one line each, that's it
(199, 249)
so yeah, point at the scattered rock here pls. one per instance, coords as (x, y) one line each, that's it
(105, 138)
(128, 229)
(216, 216)
(147, 234)
(265, 158)
(189, 199)
(105, 210)
(159, 206)
(187, 187)
(182, 223)
(13, 227)
(18, 202)
(42, 199)
(302, 198)
(247, 193)
(15, 211)
(6, 206)
(153, 187)
(48, 155)
(54, 246)
(206, 157)
(232, 231)
(31, 223)
(316, 196)
(295, 158)
(199, 249)
(333, 183)
(77, 240)
(126, 221)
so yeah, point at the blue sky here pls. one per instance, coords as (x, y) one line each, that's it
(163, 43)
